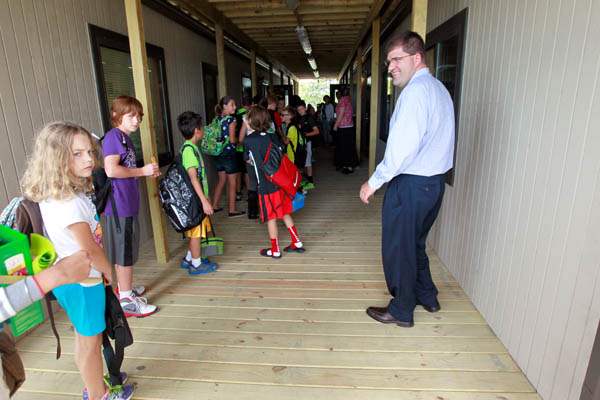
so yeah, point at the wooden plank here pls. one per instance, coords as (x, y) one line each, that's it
(374, 110)
(308, 316)
(159, 351)
(174, 389)
(139, 62)
(266, 340)
(281, 375)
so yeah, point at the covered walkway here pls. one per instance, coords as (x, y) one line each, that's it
(293, 328)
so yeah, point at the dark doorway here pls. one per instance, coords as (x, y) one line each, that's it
(283, 91)
(210, 78)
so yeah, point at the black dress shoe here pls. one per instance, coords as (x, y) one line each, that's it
(381, 314)
(432, 308)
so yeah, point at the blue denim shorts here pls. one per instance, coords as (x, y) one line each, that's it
(84, 306)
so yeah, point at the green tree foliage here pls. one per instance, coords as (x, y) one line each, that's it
(313, 90)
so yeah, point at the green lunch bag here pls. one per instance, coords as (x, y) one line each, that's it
(212, 245)
(212, 143)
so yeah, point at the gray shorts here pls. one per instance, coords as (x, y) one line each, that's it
(121, 247)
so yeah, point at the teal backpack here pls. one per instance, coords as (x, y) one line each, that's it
(212, 143)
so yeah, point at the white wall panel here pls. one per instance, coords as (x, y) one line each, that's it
(517, 228)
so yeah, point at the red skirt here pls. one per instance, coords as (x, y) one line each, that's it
(274, 205)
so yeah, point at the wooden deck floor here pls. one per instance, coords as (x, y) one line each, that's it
(293, 328)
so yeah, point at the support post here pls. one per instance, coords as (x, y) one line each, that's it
(220, 42)
(374, 111)
(253, 73)
(418, 17)
(359, 94)
(141, 81)
(296, 87)
(281, 77)
(271, 83)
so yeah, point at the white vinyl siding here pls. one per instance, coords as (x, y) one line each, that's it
(519, 228)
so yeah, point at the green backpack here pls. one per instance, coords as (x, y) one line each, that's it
(212, 143)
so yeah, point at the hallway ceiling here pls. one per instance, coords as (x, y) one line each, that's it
(333, 27)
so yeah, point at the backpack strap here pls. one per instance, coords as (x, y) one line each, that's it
(203, 178)
(48, 300)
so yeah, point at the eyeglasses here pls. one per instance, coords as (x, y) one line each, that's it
(396, 60)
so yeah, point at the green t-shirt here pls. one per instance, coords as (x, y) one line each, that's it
(192, 158)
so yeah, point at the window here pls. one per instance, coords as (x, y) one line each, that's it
(114, 77)
(444, 54)
(246, 86)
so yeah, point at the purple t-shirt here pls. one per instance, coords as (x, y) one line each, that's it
(125, 190)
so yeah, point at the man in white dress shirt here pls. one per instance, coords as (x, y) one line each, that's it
(419, 151)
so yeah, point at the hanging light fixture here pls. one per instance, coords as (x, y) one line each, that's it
(303, 38)
(316, 73)
(312, 62)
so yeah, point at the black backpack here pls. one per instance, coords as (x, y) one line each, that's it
(178, 197)
(103, 190)
(299, 149)
(117, 329)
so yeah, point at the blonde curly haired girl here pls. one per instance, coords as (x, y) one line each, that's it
(59, 178)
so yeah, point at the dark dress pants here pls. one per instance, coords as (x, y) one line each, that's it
(411, 205)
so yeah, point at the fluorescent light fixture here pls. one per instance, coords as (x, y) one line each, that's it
(316, 73)
(303, 38)
(312, 62)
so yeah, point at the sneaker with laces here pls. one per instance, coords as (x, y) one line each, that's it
(119, 392)
(124, 378)
(135, 306)
(138, 290)
(210, 264)
(185, 264)
(203, 268)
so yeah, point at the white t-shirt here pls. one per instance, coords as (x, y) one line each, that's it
(58, 215)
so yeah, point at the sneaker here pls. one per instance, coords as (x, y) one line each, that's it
(138, 290)
(185, 264)
(293, 249)
(124, 378)
(119, 392)
(211, 264)
(200, 269)
(137, 307)
(269, 253)
(309, 186)
(236, 214)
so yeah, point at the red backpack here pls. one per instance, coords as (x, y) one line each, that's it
(281, 171)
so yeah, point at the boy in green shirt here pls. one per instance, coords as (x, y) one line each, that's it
(190, 126)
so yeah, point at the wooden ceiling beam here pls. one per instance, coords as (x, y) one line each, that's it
(306, 19)
(302, 10)
(366, 27)
(281, 25)
(204, 8)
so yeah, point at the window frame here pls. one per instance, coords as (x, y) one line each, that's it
(456, 26)
(100, 37)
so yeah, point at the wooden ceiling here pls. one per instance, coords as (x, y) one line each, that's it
(333, 28)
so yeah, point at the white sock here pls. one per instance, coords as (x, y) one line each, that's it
(196, 262)
(188, 256)
(125, 293)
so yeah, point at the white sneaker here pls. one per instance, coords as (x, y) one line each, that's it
(138, 290)
(135, 306)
